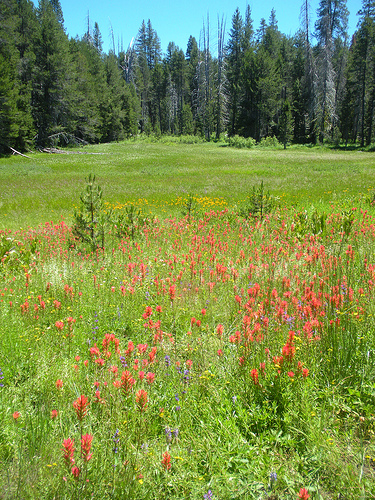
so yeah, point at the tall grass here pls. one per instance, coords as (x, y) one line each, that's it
(221, 356)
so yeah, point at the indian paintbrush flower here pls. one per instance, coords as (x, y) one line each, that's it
(303, 494)
(68, 450)
(141, 400)
(80, 406)
(86, 442)
(166, 461)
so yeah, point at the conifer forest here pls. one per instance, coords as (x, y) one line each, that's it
(236, 79)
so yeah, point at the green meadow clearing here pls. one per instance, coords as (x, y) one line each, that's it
(192, 346)
(48, 185)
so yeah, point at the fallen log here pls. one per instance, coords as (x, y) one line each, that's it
(18, 153)
(63, 152)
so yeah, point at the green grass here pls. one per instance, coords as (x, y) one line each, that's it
(48, 186)
(237, 397)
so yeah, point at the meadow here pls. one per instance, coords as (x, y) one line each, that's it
(203, 349)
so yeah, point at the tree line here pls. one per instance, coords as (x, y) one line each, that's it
(315, 86)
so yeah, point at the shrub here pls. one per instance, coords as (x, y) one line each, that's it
(237, 141)
(269, 142)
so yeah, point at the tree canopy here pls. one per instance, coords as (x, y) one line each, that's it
(257, 83)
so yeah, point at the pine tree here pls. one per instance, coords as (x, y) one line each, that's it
(192, 59)
(8, 84)
(17, 20)
(50, 95)
(177, 67)
(148, 53)
(97, 38)
(269, 81)
(234, 62)
(285, 123)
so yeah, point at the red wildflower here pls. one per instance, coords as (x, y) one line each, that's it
(16, 415)
(219, 330)
(98, 398)
(59, 384)
(142, 348)
(141, 400)
(76, 472)
(130, 348)
(110, 337)
(288, 351)
(254, 376)
(127, 381)
(80, 406)
(152, 354)
(94, 351)
(172, 292)
(54, 414)
(59, 325)
(100, 361)
(303, 494)
(113, 369)
(86, 442)
(68, 450)
(150, 377)
(166, 461)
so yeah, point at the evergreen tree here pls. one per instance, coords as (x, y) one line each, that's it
(148, 55)
(160, 75)
(50, 94)
(177, 67)
(192, 59)
(234, 63)
(84, 115)
(269, 81)
(97, 38)
(17, 24)
(8, 84)
(26, 28)
(285, 123)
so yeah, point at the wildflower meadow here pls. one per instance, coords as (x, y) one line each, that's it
(209, 353)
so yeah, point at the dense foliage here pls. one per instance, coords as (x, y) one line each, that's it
(260, 83)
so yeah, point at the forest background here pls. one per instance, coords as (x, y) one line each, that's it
(259, 82)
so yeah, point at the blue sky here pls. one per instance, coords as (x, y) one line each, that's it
(176, 21)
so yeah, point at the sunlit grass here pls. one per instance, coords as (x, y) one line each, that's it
(48, 186)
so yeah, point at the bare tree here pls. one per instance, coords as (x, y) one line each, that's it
(220, 94)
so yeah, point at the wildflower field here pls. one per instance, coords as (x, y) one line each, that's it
(201, 348)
